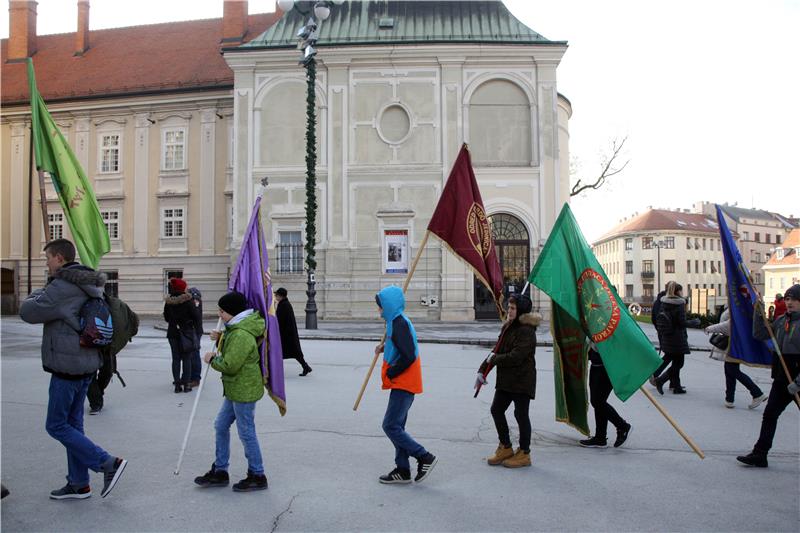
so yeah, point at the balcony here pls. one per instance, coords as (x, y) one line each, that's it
(650, 276)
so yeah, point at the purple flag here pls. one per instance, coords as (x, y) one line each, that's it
(251, 277)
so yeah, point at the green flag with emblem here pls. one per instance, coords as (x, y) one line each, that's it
(568, 272)
(54, 156)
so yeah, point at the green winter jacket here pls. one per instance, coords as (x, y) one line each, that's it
(238, 360)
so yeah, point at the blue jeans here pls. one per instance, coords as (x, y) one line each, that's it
(244, 415)
(733, 373)
(197, 365)
(394, 425)
(65, 424)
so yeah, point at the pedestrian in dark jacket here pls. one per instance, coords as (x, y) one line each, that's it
(71, 366)
(780, 307)
(290, 339)
(515, 360)
(599, 390)
(664, 360)
(674, 339)
(197, 366)
(183, 323)
(787, 334)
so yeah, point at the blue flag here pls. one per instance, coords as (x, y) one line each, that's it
(742, 297)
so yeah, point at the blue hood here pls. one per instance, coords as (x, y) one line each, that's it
(392, 302)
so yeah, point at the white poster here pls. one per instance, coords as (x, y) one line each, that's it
(395, 249)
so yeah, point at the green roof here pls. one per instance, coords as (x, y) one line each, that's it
(405, 22)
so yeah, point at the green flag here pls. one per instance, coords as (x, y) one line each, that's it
(569, 368)
(569, 273)
(54, 156)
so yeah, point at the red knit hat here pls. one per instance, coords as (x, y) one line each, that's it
(177, 285)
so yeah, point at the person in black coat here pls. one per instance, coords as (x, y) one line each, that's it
(653, 314)
(183, 324)
(290, 340)
(599, 390)
(674, 338)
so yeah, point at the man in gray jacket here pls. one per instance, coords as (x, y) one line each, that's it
(71, 366)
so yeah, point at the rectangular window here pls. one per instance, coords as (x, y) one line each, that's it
(628, 291)
(719, 267)
(111, 220)
(647, 243)
(647, 291)
(669, 242)
(719, 289)
(669, 266)
(175, 273)
(777, 239)
(779, 253)
(713, 268)
(688, 243)
(56, 226)
(629, 244)
(697, 243)
(745, 235)
(719, 245)
(109, 153)
(629, 267)
(172, 223)
(688, 266)
(696, 266)
(290, 252)
(174, 149)
(768, 238)
(758, 237)
(647, 266)
(705, 271)
(112, 283)
(758, 257)
(704, 243)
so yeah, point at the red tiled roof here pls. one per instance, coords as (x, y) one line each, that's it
(166, 57)
(790, 246)
(665, 220)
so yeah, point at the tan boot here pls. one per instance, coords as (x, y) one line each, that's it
(519, 460)
(500, 454)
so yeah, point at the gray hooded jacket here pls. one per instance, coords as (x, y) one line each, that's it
(57, 307)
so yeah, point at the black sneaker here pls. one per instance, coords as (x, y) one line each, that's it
(111, 477)
(753, 459)
(68, 492)
(398, 475)
(679, 390)
(622, 436)
(178, 388)
(95, 410)
(213, 478)
(251, 482)
(305, 372)
(3, 491)
(187, 388)
(425, 466)
(594, 442)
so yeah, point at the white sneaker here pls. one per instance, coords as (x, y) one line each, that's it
(729, 405)
(757, 401)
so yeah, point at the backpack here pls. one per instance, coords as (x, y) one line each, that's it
(125, 321)
(96, 323)
(663, 323)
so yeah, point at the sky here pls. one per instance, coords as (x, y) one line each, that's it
(705, 91)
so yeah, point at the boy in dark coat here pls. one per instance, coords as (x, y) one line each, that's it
(290, 339)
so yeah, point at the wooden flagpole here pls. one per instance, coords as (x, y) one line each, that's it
(672, 422)
(405, 287)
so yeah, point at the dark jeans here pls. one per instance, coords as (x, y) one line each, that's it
(394, 425)
(502, 400)
(665, 361)
(599, 391)
(180, 359)
(673, 373)
(197, 365)
(100, 381)
(733, 374)
(779, 398)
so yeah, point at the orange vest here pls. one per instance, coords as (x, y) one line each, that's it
(409, 381)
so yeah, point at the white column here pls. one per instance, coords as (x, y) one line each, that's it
(141, 185)
(18, 185)
(208, 127)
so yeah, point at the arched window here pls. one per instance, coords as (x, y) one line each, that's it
(500, 125)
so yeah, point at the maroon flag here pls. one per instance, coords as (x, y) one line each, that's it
(460, 221)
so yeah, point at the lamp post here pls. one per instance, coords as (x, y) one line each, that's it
(658, 245)
(316, 11)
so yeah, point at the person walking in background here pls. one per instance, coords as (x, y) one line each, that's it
(787, 334)
(664, 361)
(242, 386)
(780, 307)
(290, 339)
(599, 390)
(197, 364)
(183, 320)
(671, 323)
(515, 360)
(71, 366)
(733, 372)
(401, 373)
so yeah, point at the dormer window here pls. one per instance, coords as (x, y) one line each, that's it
(779, 253)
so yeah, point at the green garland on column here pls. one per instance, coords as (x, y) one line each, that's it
(311, 165)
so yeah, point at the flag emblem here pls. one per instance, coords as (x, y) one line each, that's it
(480, 234)
(601, 314)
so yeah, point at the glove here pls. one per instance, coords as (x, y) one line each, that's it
(480, 380)
(490, 358)
(793, 387)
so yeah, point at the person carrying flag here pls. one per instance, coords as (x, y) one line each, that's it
(599, 391)
(787, 335)
(515, 359)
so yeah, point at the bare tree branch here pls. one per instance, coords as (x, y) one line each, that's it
(608, 170)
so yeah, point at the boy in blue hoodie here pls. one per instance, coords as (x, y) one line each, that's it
(401, 372)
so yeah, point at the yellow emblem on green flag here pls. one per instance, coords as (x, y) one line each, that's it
(54, 156)
(569, 273)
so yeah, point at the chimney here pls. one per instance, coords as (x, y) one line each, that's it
(234, 22)
(82, 36)
(21, 29)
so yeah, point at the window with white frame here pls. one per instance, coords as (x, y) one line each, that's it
(174, 149)
(109, 153)
(290, 252)
(56, 223)
(172, 222)
(111, 220)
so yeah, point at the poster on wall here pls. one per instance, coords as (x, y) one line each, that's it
(395, 249)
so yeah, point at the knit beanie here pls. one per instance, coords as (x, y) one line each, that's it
(177, 286)
(793, 292)
(524, 304)
(233, 303)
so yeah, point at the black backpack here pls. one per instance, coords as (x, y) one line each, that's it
(664, 324)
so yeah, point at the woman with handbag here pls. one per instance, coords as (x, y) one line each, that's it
(673, 336)
(720, 339)
(183, 323)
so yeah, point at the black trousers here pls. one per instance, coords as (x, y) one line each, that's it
(673, 373)
(779, 398)
(599, 391)
(180, 359)
(100, 381)
(502, 400)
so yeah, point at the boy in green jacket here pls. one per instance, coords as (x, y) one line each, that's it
(238, 362)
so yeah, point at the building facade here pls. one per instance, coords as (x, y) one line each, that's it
(783, 268)
(646, 251)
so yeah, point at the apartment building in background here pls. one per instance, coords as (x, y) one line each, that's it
(783, 268)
